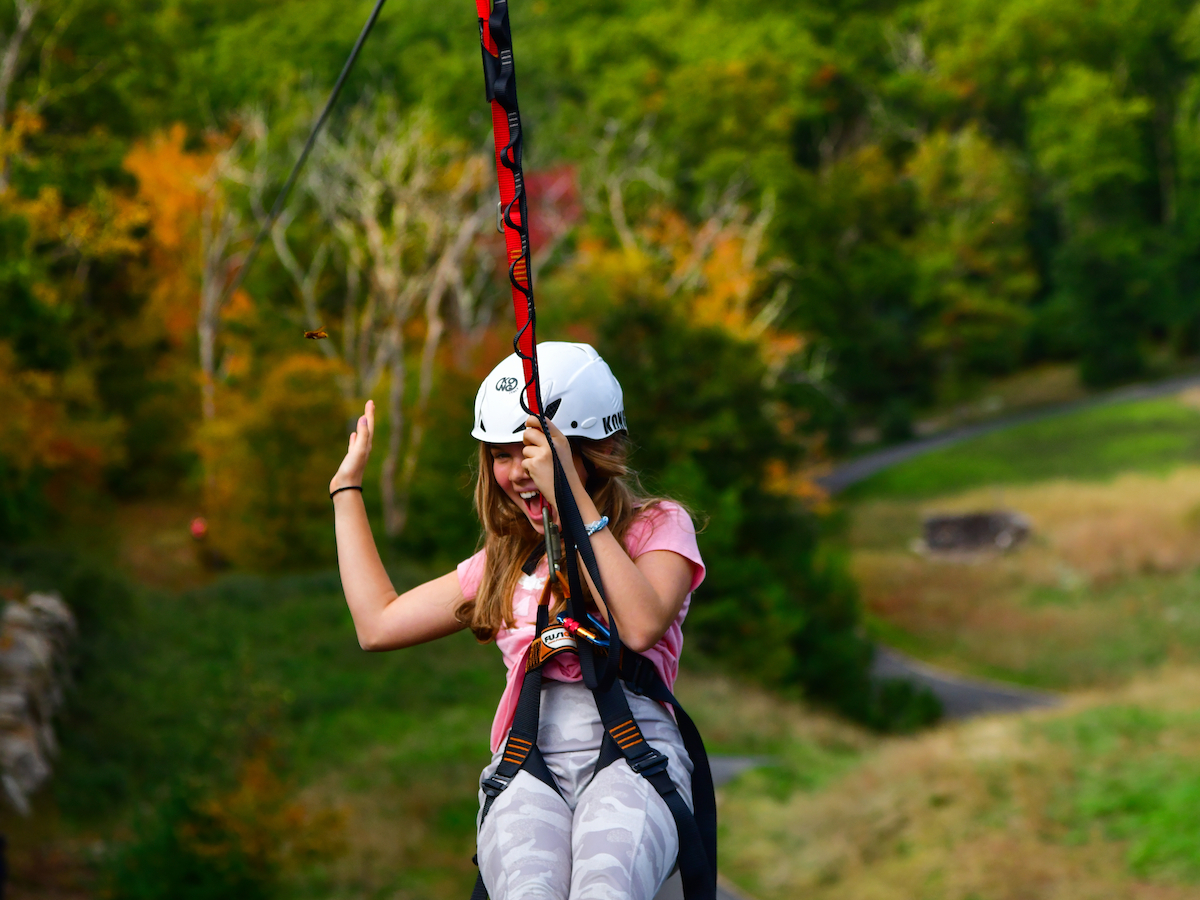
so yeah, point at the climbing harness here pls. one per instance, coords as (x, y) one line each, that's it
(603, 661)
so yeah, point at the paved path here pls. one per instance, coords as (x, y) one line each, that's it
(961, 697)
(865, 466)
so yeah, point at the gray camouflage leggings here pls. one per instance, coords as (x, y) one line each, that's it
(608, 837)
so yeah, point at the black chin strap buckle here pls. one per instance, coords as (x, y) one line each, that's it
(649, 763)
(493, 785)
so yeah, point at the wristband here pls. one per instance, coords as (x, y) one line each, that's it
(349, 487)
(597, 525)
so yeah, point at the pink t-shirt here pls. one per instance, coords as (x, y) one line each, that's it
(665, 527)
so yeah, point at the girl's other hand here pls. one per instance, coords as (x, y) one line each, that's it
(350, 472)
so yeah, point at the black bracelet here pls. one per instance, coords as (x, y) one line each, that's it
(349, 487)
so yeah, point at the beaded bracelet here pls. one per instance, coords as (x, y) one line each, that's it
(597, 525)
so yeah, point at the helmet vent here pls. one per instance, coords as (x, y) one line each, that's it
(553, 408)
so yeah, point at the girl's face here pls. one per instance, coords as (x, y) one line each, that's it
(509, 471)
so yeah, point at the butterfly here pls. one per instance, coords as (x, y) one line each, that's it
(316, 335)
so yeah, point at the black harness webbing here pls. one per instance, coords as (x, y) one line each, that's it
(623, 739)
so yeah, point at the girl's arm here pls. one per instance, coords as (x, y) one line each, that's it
(382, 619)
(644, 596)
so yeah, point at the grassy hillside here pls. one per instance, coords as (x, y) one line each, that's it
(244, 708)
(191, 692)
(1095, 801)
(1106, 586)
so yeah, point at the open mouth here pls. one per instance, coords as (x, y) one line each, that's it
(533, 504)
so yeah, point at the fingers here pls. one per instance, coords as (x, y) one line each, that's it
(533, 433)
(531, 437)
(369, 412)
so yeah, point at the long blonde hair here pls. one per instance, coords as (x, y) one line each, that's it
(509, 539)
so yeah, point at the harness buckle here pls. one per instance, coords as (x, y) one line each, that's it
(493, 785)
(649, 763)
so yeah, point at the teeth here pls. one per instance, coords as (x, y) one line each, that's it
(528, 495)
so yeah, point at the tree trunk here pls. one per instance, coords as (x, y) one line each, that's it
(416, 430)
(394, 514)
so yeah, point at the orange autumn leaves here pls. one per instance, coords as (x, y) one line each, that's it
(172, 189)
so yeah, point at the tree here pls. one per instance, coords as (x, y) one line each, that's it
(402, 211)
(974, 274)
(199, 234)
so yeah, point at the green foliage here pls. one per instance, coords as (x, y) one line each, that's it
(185, 852)
(269, 462)
(772, 605)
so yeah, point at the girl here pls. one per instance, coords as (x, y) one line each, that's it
(591, 835)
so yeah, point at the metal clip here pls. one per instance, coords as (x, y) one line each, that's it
(500, 216)
(495, 784)
(553, 542)
(649, 763)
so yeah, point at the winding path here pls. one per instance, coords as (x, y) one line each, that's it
(964, 697)
(865, 466)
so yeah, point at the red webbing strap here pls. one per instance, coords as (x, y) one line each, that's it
(495, 37)
(513, 204)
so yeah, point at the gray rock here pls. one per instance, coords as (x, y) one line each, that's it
(34, 638)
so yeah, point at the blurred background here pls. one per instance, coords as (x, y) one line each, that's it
(903, 296)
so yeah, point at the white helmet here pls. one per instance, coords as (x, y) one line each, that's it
(580, 393)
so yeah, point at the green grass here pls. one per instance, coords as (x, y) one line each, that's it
(1131, 784)
(1092, 444)
(175, 691)
(199, 674)
(1098, 636)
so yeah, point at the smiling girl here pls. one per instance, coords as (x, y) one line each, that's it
(581, 826)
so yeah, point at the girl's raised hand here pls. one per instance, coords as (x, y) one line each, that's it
(538, 461)
(350, 472)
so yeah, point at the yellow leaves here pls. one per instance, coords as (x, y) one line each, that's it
(175, 189)
(718, 276)
(974, 266)
(36, 431)
(105, 228)
(268, 459)
(800, 484)
(25, 122)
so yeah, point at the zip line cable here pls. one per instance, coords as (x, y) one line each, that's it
(308, 145)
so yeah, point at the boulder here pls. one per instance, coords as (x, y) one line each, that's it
(34, 637)
(974, 532)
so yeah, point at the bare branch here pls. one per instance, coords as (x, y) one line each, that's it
(27, 11)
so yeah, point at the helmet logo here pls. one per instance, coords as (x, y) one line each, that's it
(506, 384)
(614, 422)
